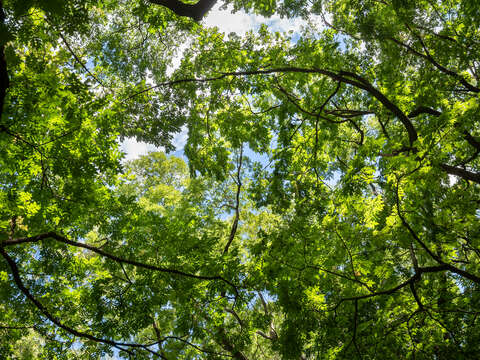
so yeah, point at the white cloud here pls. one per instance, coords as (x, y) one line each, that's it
(134, 149)
(180, 139)
(239, 23)
(178, 58)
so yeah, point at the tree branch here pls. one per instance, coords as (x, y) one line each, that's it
(227, 345)
(471, 140)
(340, 76)
(57, 237)
(233, 230)
(18, 281)
(194, 11)
(234, 313)
(431, 60)
(80, 62)
(443, 265)
(464, 174)
(424, 110)
(262, 334)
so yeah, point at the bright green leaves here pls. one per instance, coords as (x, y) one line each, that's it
(348, 238)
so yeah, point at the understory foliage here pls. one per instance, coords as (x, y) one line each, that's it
(327, 205)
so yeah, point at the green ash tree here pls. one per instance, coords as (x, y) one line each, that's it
(327, 206)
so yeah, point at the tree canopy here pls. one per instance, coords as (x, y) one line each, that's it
(327, 205)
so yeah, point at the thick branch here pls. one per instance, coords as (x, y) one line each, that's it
(415, 295)
(471, 140)
(18, 281)
(238, 180)
(227, 345)
(464, 174)
(341, 76)
(57, 237)
(262, 334)
(424, 110)
(194, 11)
(443, 69)
(234, 313)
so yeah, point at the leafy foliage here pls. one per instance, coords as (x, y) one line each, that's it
(327, 208)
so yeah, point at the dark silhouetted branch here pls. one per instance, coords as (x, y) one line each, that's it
(424, 110)
(340, 76)
(194, 11)
(238, 180)
(60, 238)
(464, 174)
(21, 286)
(472, 140)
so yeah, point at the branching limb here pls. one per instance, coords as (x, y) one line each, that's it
(415, 295)
(227, 345)
(21, 286)
(238, 181)
(235, 315)
(352, 264)
(161, 340)
(265, 336)
(340, 76)
(62, 239)
(443, 265)
(464, 174)
(273, 333)
(80, 62)
(378, 293)
(412, 233)
(472, 140)
(431, 60)
(196, 11)
(423, 110)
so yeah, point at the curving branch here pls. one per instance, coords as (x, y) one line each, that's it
(428, 57)
(424, 110)
(161, 340)
(80, 62)
(412, 280)
(464, 174)
(346, 77)
(265, 336)
(62, 239)
(443, 266)
(21, 286)
(119, 345)
(238, 181)
(472, 140)
(194, 11)
(234, 313)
